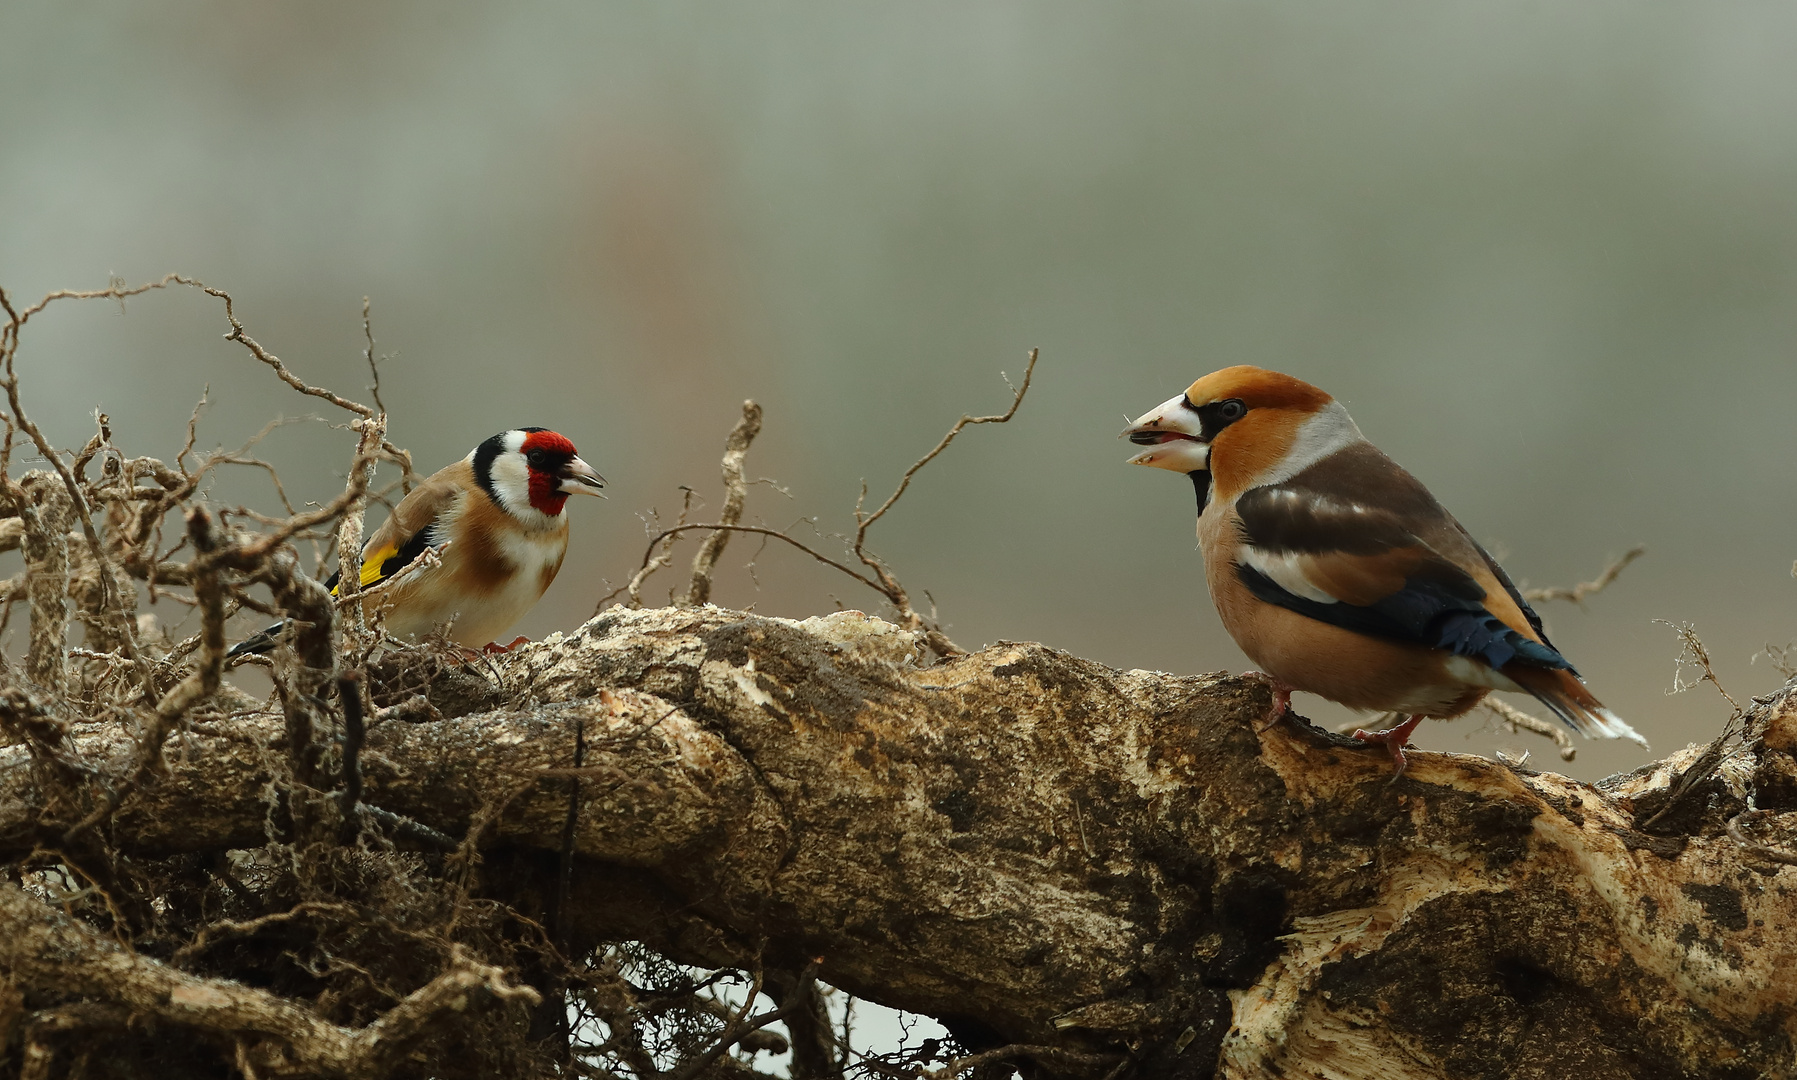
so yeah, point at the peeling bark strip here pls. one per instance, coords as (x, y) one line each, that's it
(1047, 852)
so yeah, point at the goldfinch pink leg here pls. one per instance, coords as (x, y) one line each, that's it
(1394, 739)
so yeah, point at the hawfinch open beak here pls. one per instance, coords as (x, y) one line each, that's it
(578, 478)
(1173, 437)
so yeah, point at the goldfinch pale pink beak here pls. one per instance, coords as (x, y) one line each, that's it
(578, 478)
(1173, 436)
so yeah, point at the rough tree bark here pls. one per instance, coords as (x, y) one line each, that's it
(1111, 871)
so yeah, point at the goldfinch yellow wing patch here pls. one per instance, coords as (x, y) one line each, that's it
(372, 564)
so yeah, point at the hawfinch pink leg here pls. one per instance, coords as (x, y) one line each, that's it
(1394, 739)
(1282, 699)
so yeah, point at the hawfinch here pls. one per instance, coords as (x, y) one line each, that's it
(1338, 573)
(495, 520)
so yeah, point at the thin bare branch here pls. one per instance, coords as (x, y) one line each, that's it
(1047, 1055)
(653, 560)
(650, 555)
(374, 369)
(889, 583)
(1580, 592)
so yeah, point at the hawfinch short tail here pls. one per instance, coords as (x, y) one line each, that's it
(495, 521)
(1338, 573)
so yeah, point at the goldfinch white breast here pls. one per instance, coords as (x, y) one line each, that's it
(1338, 573)
(495, 521)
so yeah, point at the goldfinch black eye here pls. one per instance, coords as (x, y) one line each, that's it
(536, 458)
(1233, 409)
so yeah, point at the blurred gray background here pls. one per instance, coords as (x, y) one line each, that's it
(1546, 254)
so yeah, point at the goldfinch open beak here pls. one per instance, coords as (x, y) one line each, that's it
(578, 478)
(1173, 436)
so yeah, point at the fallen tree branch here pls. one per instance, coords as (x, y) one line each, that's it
(1253, 902)
(1083, 873)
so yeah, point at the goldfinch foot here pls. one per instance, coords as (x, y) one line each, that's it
(493, 648)
(1394, 739)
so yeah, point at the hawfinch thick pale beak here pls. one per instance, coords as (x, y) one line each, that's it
(1174, 437)
(578, 478)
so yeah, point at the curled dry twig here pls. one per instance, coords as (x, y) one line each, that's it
(1736, 826)
(1578, 593)
(889, 583)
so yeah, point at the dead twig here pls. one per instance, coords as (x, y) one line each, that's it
(1693, 654)
(736, 448)
(650, 556)
(883, 582)
(1736, 825)
(1578, 593)
(1047, 1055)
(370, 434)
(654, 560)
(744, 1025)
(201, 684)
(889, 583)
(402, 458)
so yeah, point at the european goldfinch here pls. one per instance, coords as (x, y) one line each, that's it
(495, 521)
(1338, 573)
